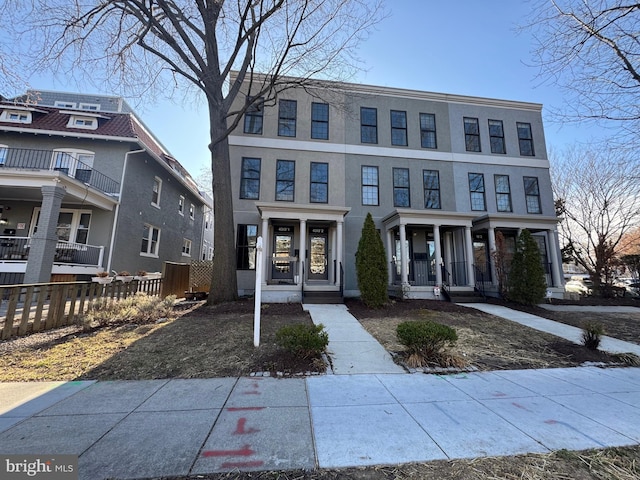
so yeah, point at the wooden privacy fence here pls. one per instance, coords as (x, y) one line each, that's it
(43, 306)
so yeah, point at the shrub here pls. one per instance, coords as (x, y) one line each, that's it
(371, 266)
(591, 335)
(526, 283)
(425, 341)
(303, 340)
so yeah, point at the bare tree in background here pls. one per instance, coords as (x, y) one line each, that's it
(144, 46)
(598, 198)
(591, 49)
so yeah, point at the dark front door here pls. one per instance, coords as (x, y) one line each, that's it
(282, 268)
(318, 249)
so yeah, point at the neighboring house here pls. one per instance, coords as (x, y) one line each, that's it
(440, 173)
(85, 187)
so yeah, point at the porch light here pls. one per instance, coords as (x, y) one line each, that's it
(4, 221)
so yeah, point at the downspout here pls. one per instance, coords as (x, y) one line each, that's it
(117, 214)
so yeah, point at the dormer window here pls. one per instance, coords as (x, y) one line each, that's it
(77, 121)
(93, 107)
(15, 116)
(61, 104)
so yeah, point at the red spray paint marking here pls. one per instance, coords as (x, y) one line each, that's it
(245, 451)
(550, 422)
(499, 394)
(255, 463)
(240, 428)
(516, 404)
(253, 392)
(240, 409)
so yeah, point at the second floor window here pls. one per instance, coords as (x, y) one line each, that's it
(368, 125)
(532, 195)
(401, 196)
(253, 118)
(503, 193)
(155, 192)
(250, 179)
(476, 190)
(431, 181)
(471, 134)
(181, 205)
(370, 186)
(525, 139)
(428, 130)
(496, 136)
(319, 188)
(320, 121)
(150, 240)
(287, 113)
(398, 128)
(192, 211)
(285, 180)
(186, 247)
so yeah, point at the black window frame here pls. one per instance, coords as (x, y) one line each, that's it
(246, 179)
(285, 181)
(432, 199)
(319, 121)
(398, 119)
(402, 190)
(254, 118)
(318, 185)
(503, 197)
(496, 136)
(245, 247)
(370, 187)
(472, 138)
(428, 133)
(530, 197)
(368, 130)
(525, 142)
(287, 117)
(475, 189)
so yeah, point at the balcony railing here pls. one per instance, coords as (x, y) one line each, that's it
(17, 249)
(66, 163)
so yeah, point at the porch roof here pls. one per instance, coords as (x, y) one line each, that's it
(402, 216)
(530, 222)
(302, 212)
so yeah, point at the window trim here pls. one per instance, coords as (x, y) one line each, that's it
(424, 131)
(82, 122)
(312, 182)
(254, 111)
(150, 252)
(187, 245)
(396, 129)
(244, 178)
(90, 107)
(424, 186)
(192, 211)
(65, 105)
(370, 185)
(291, 182)
(70, 164)
(528, 140)
(315, 121)
(536, 196)
(483, 191)
(181, 200)
(468, 136)
(4, 153)
(248, 247)
(402, 188)
(285, 122)
(373, 126)
(156, 201)
(507, 193)
(74, 228)
(501, 137)
(24, 116)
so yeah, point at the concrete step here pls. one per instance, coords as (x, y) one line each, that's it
(322, 297)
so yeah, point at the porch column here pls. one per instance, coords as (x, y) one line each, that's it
(404, 270)
(338, 253)
(492, 248)
(303, 249)
(390, 250)
(266, 242)
(468, 248)
(42, 248)
(438, 253)
(556, 277)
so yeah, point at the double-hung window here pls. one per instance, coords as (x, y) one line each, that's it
(156, 190)
(431, 183)
(250, 179)
(428, 130)
(398, 128)
(287, 113)
(285, 180)
(246, 247)
(401, 195)
(370, 186)
(320, 121)
(368, 125)
(253, 118)
(150, 241)
(525, 139)
(476, 191)
(186, 247)
(181, 205)
(319, 188)
(503, 193)
(471, 134)
(192, 211)
(532, 194)
(496, 136)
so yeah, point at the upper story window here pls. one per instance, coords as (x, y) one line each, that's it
(192, 211)
(150, 241)
(15, 116)
(181, 205)
(401, 192)
(4, 151)
(208, 220)
(253, 118)
(88, 123)
(73, 162)
(532, 194)
(398, 128)
(155, 192)
(471, 134)
(62, 104)
(370, 186)
(525, 139)
(496, 136)
(476, 191)
(285, 180)
(503, 193)
(186, 247)
(320, 121)
(431, 182)
(287, 113)
(93, 107)
(319, 188)
(428, 130)
(250, 179)
(368, 125)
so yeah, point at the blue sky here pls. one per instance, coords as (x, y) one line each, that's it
(467, 47)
